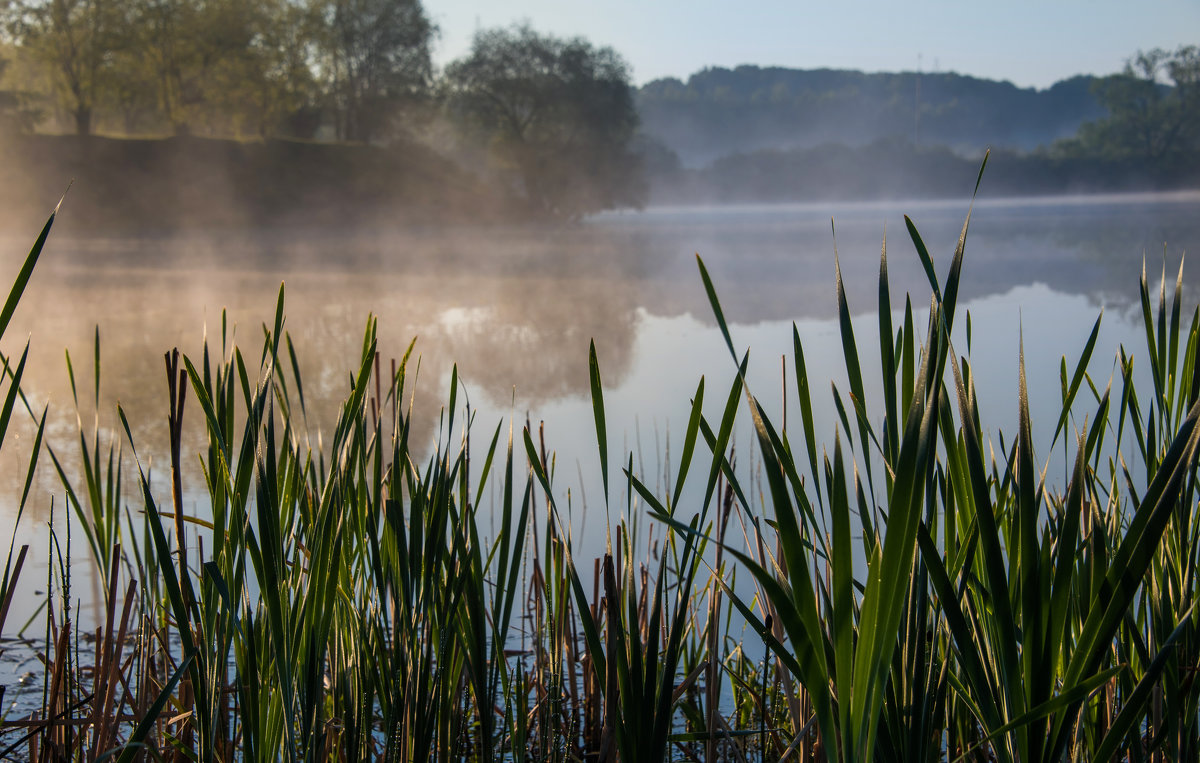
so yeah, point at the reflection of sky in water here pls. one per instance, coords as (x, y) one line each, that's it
(651, 405)
(780, 257)
(516, 308)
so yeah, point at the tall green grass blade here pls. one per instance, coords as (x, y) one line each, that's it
(1127, 568)
(908, 364)
(1076, 379)
(843, 609)
(1073, 696)
(14, 390)
(715, 304)
(724, 432)
(888, 365)
(598, 413)
(135, 744)
(806, 410)
(26, 271)
(924, 256)
(853, 369)
(689, 443)
(1132, 711)
(1173, 338)
(1027, 566)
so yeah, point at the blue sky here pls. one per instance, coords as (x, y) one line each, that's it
(1028, 43)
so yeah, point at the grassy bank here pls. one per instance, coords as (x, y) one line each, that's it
(139, 186)
(354, 600)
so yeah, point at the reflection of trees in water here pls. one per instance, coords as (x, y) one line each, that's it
(526, 326)
(532, 336)
(776, 263)
(1092, 250)
(516, 307)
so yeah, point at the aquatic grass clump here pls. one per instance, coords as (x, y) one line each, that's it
(1011, 621)
(356, 600)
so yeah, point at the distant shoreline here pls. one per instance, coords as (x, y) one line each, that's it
(167, 186)
(1179, 196)
(894, 170)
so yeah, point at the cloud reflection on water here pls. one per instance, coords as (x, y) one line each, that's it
(515, 308)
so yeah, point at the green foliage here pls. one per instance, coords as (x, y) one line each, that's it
(377, 56)
(558, 115)
(921, 593)
(1153, 110)
(243, 67)
(12, 569)
(720, 111)
(223, 67)
(76, 40)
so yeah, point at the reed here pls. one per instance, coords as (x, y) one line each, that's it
(352, 600)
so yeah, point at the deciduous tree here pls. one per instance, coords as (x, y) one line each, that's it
(227, 66)
(558, 115)
(376, 56)
(1154, 108)
(77, 40)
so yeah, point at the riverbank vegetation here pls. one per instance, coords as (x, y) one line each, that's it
(137, 188)
(781, 135)
(898, 170)
(910, 587)
(540, 126)
(523, 111)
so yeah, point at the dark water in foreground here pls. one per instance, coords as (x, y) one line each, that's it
(515, 309)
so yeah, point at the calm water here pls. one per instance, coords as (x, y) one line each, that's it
(515, 309)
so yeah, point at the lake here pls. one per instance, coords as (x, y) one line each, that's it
(515, 308)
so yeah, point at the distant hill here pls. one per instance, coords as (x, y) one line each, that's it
(720, 111)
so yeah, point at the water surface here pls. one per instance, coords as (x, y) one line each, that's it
(515, 309)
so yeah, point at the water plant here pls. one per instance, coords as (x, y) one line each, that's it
(917, 591)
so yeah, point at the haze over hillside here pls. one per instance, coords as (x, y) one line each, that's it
(719, 111)
(273, 113)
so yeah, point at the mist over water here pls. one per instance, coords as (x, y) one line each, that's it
(515, 307)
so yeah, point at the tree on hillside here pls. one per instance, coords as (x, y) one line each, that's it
(225, 66)
(376, 57)
(1154, 109)
(286, 88)
(167, 28)
(17, 111)
(76, 40)
(558, 114)
(255, 64)
(213, 66)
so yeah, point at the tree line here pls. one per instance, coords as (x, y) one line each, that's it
(1149, 111)
(556, 120)
(721, 111)
(552, 117)
(217, 67)
(1136, 130)
(1153, 110)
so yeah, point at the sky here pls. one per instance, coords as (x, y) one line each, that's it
(1032, 44)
